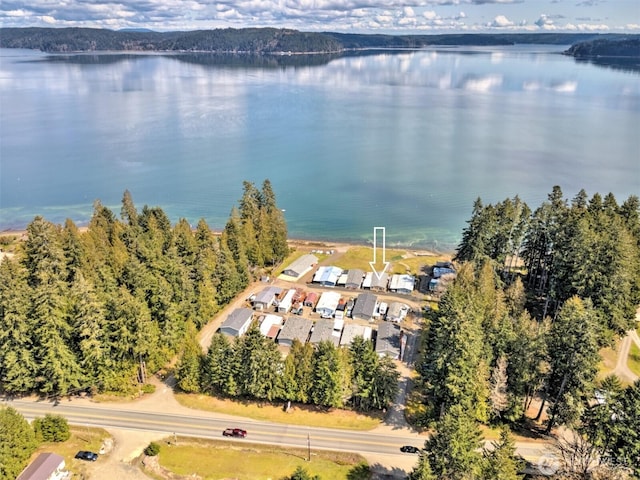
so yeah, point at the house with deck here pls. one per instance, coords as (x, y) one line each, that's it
(328, 304)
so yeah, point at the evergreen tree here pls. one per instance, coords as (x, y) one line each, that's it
(298, 372)
(452, 453)
(364, 363)
(329, 385)
(573, 359)
(500, 462)
(17, 443)
(17, 363)
(52, 428)
(262, 365)
(220, 367)
(385, 384)
(189, 366)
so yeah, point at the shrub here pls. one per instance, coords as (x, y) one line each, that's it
(148, 388)
(51, 428)
(152, 449)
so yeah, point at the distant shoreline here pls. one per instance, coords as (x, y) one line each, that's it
(296, 242)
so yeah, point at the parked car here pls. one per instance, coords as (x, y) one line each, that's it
(409, 449)
(235, 432)
(88, 456)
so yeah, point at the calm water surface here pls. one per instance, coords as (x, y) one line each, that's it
(403, 140)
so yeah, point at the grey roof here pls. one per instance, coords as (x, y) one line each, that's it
(365, 305)
(42, 467)
(301, 265)
(237, 319)
(354, 277)
(351, 331)
(323, 330)
(380, 282)
(295, 327)
(388, 341)
(395, 310)
(266, 295)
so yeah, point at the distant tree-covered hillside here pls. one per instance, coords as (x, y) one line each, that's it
(253, 40)
(623, 46)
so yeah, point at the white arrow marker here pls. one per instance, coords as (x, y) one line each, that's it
(385, 264)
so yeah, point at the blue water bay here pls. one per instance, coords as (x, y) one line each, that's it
(406, 140)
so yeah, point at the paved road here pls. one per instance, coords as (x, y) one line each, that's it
(207, 426)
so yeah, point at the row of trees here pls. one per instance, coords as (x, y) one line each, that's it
(325, 375)
(19, 439)
(588, 248)
(97, 309)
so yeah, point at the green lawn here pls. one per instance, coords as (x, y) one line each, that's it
(298, 415)
(82, 438)
(210, 459)
(633, 361)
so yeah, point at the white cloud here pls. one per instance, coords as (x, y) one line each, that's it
(501, 22)
(544, 21)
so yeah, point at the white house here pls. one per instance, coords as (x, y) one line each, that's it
(327, 304)
(237, 323)
(285, 304)
(270, 325)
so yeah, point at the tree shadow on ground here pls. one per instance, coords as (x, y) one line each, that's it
(383, 472)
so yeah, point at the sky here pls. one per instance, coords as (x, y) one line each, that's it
(349, 16)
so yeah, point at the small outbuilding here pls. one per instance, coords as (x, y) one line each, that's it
(310, 300)
(237, 323)
(365, 306)
(301, 265)
(46, 466)
(294, 328)
(388, 340)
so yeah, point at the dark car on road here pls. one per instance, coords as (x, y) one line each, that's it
(409, 449)
(235, 432)
(88, 456)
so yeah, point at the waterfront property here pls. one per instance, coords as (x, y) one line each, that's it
(402, 284)
(237, 322)
(365, 306)
(375, 282)
(354, 279)
(295, 328)
(388, 340)
(301, 266)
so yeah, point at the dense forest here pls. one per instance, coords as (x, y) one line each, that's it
(625, 46)
(538, 294)
(254, 40)
(95, 310)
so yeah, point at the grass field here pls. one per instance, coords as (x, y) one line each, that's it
(210, 459)
(82, 438)
(633, 361)
(298, 415)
